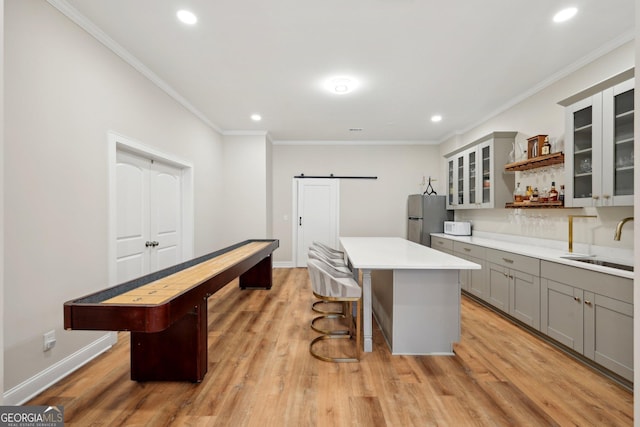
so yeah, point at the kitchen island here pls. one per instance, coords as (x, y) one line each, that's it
(412, 290)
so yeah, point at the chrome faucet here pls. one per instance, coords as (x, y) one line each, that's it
(571, 228)
(619, 227)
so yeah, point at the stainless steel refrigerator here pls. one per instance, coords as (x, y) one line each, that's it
(427, 214)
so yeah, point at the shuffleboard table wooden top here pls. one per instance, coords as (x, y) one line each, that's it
(162, 290)
(153, 302)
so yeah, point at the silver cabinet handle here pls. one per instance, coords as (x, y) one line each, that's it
(510, 261)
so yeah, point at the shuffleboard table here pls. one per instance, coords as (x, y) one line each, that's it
(166, 311)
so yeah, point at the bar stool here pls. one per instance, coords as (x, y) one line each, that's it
(337, 289)
(341, 270)
(328, 250)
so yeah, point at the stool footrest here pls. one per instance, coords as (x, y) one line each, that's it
(328, 358)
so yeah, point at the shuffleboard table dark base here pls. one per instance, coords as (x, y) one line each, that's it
(169, 340)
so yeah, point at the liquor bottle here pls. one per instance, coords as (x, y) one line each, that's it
(527, 196)
(561, 194)
(534, 195)
(553, 193)
(546, 147)
(544, 195)
(518, 194)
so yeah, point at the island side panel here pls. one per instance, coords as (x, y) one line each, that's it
(426, 311)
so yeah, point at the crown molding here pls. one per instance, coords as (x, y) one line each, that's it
(83, 22)
(350, 142)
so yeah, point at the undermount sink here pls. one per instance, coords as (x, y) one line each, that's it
(597, 261)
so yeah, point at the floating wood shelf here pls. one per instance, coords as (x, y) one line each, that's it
(515, 205)
(536, 162)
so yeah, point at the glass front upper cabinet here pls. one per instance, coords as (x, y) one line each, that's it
(485, 153)
(472, 176)
(451, 183)
(618, 140)
(460, 177)
(600, 148)
(473, 182)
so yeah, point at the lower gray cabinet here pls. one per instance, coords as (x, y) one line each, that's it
(443, 245)
(472, 281)
(514, 285)
(591, 313)
(498, 286)
(562, 314)
(609, 333)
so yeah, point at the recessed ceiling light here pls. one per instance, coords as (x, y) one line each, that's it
(436, 118)
(187, 17)
(565, 14)
(341, 85)
(256, 117)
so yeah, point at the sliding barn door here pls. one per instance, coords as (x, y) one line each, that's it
(317, 215)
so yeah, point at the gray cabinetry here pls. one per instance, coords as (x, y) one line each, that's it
(475, 174)
(599, 147)
(591, 313)
(472, 281)
(443, 245)
(498, 286)
(514, 285)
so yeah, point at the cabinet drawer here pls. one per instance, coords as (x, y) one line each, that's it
(616, 287)
(441, 244)
(468, 249)
(514, 261)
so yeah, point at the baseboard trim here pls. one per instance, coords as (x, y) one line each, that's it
(283, 264)
(30, 388)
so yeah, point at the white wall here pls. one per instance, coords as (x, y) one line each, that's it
(541, 114)
(367, 207)
(63, 92)
(245, 188)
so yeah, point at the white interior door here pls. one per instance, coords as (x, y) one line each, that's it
(165, 218)
(317, 215)
(132, 217)
(148, 207)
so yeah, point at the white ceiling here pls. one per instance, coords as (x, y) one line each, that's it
(463, 59)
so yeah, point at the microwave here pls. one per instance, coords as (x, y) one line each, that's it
(457, 228)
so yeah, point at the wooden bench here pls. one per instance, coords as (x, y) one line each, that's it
(166, 311)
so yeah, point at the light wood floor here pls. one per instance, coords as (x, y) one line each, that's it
(261, 374)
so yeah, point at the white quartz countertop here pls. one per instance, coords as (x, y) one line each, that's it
(549, 251)
(397, 253)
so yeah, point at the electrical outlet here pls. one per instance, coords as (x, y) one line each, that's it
(49, 340)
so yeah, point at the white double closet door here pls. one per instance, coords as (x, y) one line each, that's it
(148, 209)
